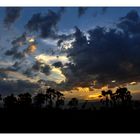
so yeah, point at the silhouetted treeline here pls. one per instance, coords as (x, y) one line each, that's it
(51, 112)
(50, 99)
(122, 97)
(53, 99)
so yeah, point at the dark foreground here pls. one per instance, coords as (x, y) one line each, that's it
(70, 121)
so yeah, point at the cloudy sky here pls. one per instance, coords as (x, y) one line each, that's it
(79, 51)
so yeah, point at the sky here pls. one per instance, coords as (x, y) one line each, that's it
(77, 50)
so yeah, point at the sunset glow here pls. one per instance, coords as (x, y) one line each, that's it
(31, 48)
(72, 51)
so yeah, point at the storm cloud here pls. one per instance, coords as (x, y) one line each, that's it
(103, 54)
(130, 23)
(107, 54)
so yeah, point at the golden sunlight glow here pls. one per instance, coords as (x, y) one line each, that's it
(133, 83)
(94, 96)
(4, 79)
(91, 95)
(83, 89)
(104, 87)
(67, 44)
(56, 75)
(32, 48)
(50, 59)
(57, 70)
(30, 40)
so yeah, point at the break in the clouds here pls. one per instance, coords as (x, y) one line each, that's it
(54, 46)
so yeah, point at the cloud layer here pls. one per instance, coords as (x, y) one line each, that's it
(76, 58)
(106, 54)
(11, 15)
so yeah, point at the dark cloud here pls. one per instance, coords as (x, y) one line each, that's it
(11, 15)
(38, 66)
(16, 43)
(19, 41)
(29, 72)
(8, 87)
(58, 64)
(130, 23)
(14, 53)
(19, 55)
(81, 11)
(45, 24)
(3, 75)
(46, 70)
(16, 66)
(108, 54)
(11, 51)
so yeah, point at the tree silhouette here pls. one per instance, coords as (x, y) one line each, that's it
(59, 99)
(0, 97)
(10, 102)
(50, 96)
(121, 97)
(84, 104)
(54, 97)
(107, 95)
(24, 100)
(39, 100)
(73, 103)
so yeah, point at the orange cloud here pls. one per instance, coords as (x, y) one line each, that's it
(83, 89)
(32, 48)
